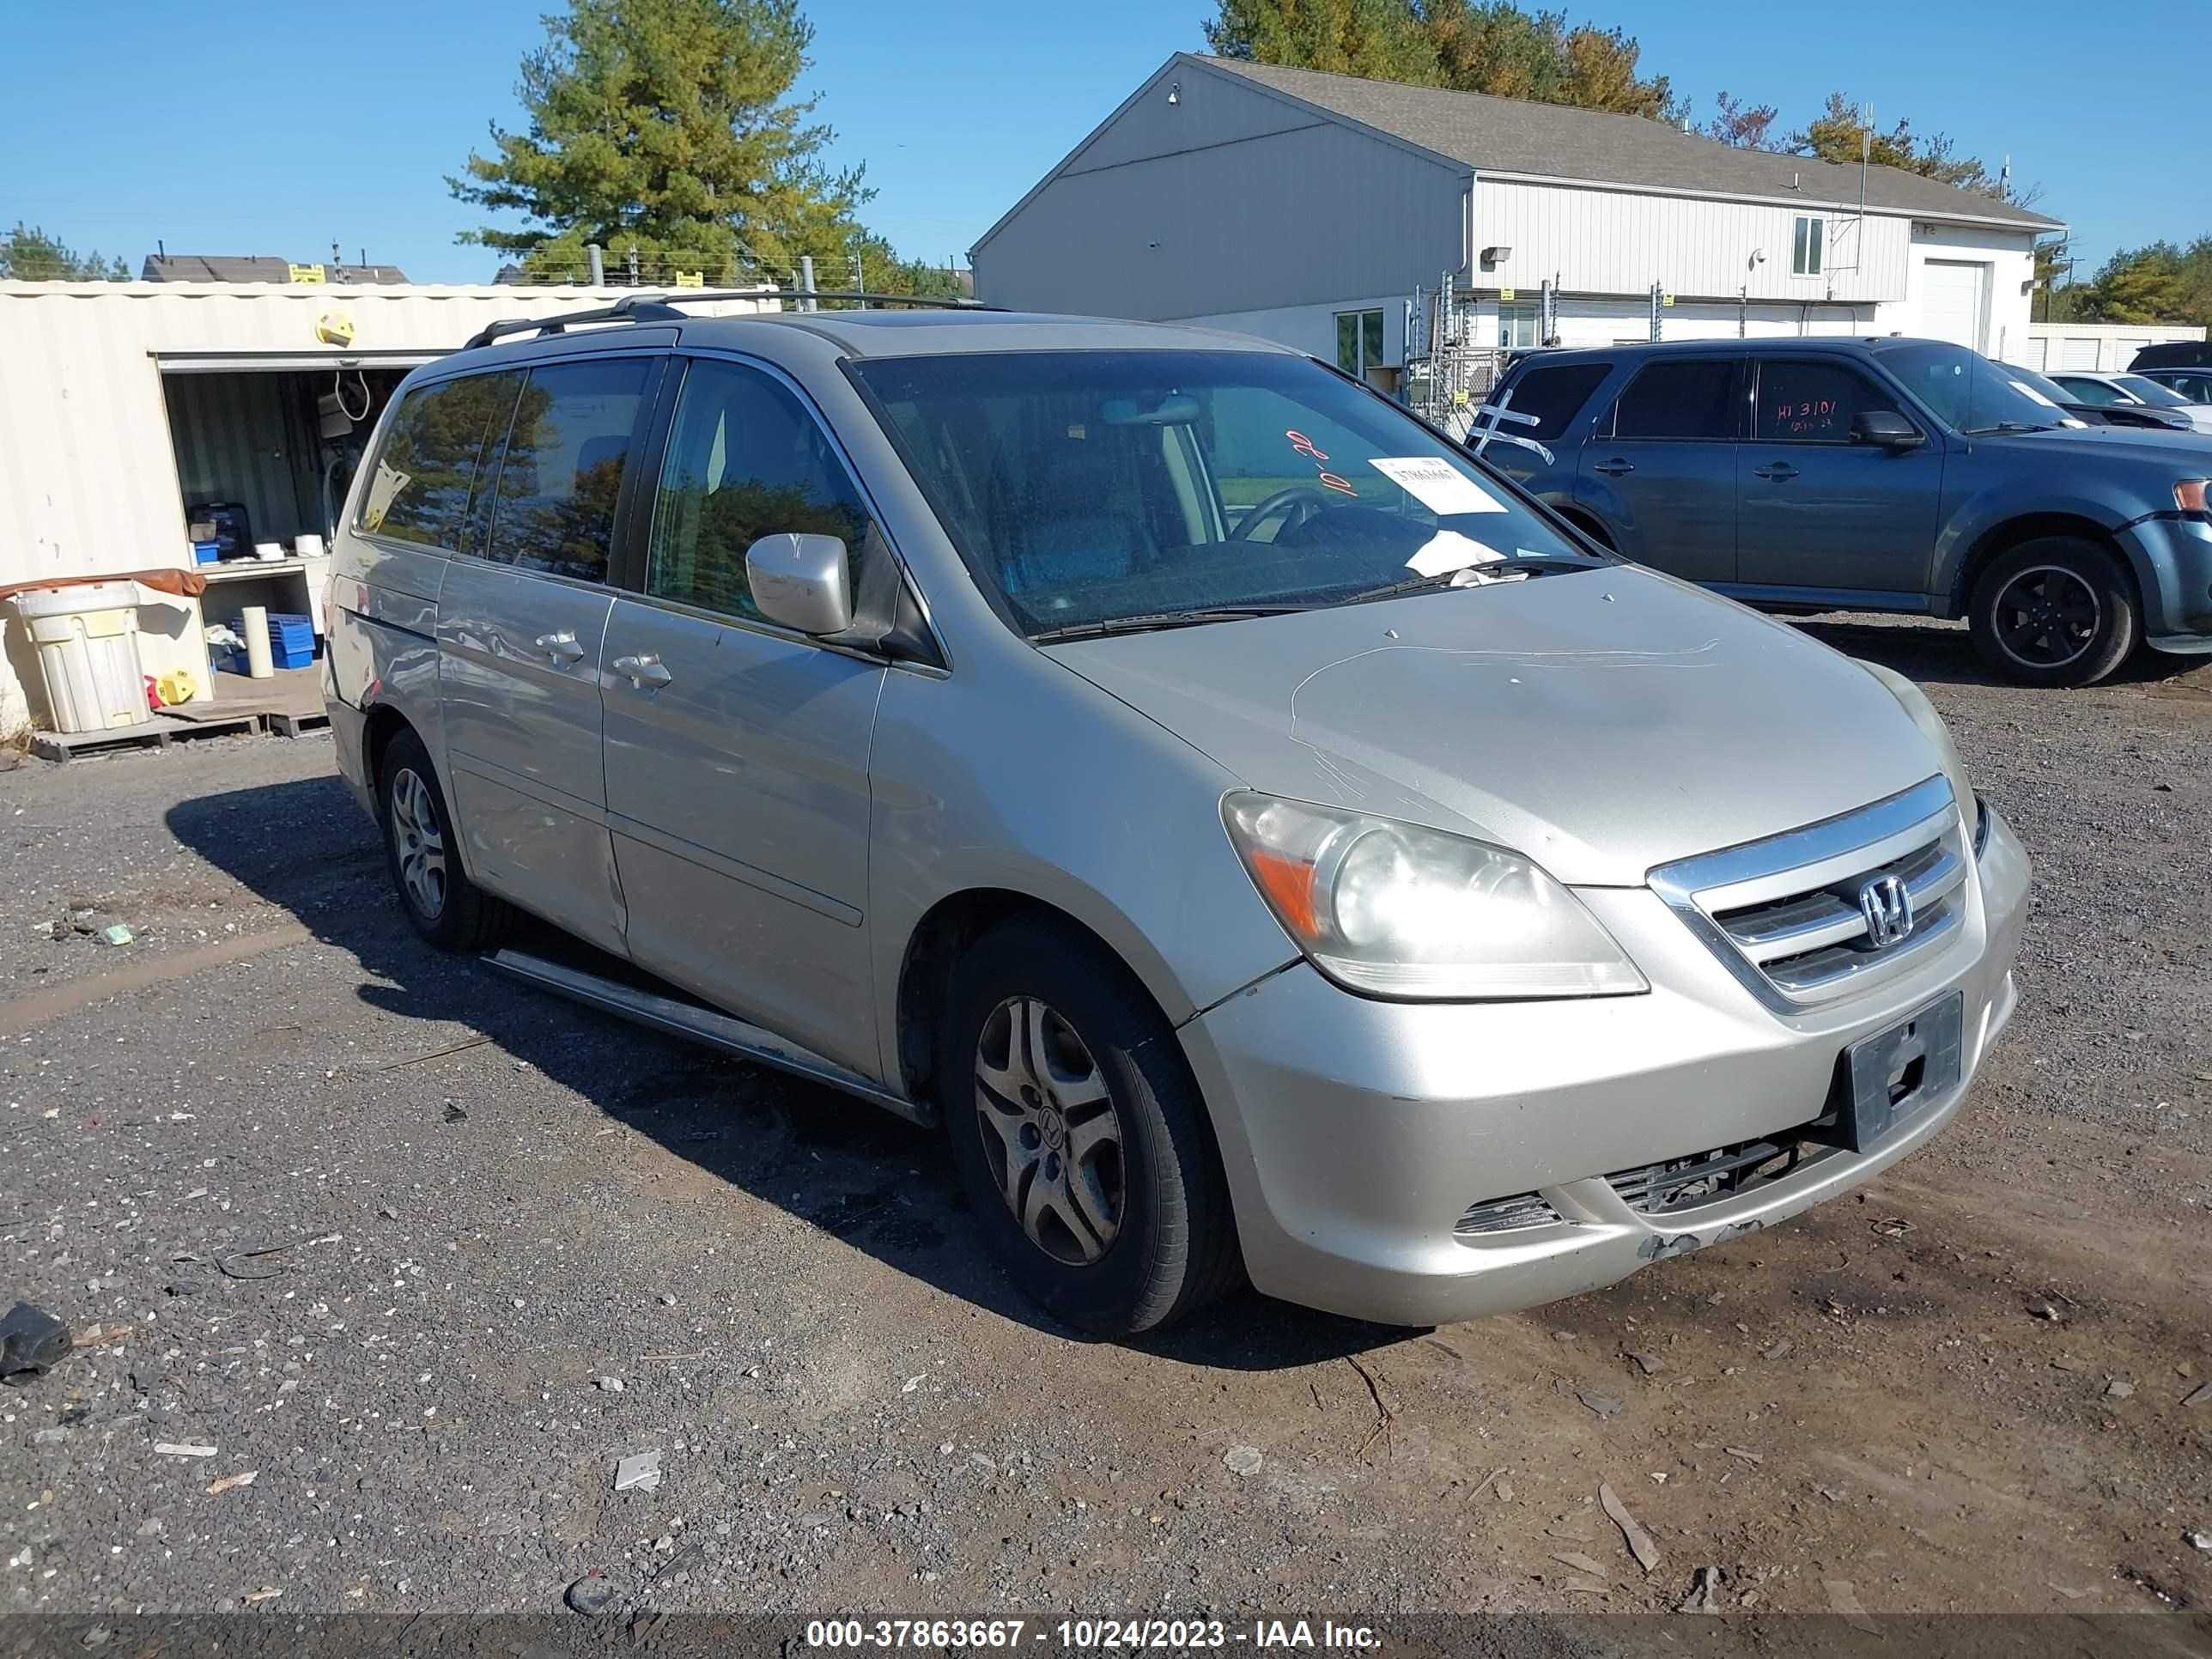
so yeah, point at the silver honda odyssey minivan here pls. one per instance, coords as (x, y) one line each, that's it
(1264, 841)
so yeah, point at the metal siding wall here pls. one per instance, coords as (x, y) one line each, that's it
(1211, 109)
(2105, 347)
(1299, 218)
(1600, 240)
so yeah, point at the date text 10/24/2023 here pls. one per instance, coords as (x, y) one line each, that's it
(1090, 1634)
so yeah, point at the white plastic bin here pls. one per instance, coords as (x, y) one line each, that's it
(87, 641)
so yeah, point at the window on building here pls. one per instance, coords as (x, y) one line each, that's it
(747, 460)
(1554, 396)
(419, 488)
(1516, 327)
(1813, 401)
(562, 471)
(1358, 341)
(1676, 399)
(1807, 240)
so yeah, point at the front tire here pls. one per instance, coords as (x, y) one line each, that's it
(447, 908)
(2059, 610)
(1079, 1135)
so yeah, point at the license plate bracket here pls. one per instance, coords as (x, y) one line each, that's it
(1884, 1079)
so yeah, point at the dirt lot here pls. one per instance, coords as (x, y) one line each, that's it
(504, 1243)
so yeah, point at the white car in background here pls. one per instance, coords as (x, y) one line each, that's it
(2105, 390)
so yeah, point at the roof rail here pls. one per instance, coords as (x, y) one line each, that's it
(663, 308)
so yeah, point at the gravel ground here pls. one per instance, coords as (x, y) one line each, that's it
(421, 1254)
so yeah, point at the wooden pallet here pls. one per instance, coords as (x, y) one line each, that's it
(290, 722)
(155, 734)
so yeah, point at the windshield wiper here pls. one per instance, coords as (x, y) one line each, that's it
(1532, 561)
(2008, 426)
(1148, 621)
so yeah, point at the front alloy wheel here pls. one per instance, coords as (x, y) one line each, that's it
(1078, 1132)
(2055, 611)
(1050, 1133)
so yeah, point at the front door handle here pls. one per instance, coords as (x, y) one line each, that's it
(1615, 468)
(562, 647)
(643, 671)
(1780, 471)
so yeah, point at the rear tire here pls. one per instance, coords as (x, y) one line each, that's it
(1079, 1135)
(2057, 610)
(447, 908)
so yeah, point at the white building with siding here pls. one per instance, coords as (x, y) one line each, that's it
(1308, 208)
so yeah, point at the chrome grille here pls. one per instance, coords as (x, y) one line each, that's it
(1785, 914)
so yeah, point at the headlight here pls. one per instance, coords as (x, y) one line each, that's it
(1915, 703)
(2189, 494)
(1391, 910)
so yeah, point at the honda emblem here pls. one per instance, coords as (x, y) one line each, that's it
(1886, 903)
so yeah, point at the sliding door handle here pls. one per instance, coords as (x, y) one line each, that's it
(561, 647)
(643, 671)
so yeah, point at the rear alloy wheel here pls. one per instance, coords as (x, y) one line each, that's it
(446, 908)
(1078, 1134)
(2057, 610)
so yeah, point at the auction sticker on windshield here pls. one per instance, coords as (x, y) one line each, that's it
(1436, 484)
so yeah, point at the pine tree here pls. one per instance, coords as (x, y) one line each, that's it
(668, 127)
(27, 254)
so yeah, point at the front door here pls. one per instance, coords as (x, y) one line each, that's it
(737, 752)
(1820, 512)
(519, 631)
(1660, 474)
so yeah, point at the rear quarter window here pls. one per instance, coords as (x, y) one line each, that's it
(419, 483)
(1554, 396)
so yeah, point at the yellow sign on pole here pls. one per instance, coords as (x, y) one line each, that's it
(1665, 299)
(1505, 293)
(305, 273)
(690, 279)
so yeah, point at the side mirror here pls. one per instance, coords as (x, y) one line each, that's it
(802, 582)
(1885, 429)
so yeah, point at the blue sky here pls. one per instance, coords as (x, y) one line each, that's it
(256, 127)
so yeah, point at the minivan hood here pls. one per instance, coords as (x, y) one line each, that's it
(1600, 722)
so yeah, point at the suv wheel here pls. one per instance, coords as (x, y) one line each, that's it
(446, 908)
(1079, 1136)
(2057, 610)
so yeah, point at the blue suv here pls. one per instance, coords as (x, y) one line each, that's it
(1812, 474)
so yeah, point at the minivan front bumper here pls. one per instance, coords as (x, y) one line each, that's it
(1357, 1133)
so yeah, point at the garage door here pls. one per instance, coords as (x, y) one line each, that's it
(1955, 300)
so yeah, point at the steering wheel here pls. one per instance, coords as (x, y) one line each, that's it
(1281, 501)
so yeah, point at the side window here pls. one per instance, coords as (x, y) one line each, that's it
(561, 472)
(1809, 401)
(418, 489)
(746, 459)
(2090, 391)
(1675, 398)
(1806, 236)
(1553, 395)
(1358, 341)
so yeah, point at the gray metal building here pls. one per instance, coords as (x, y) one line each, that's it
(1308, 208)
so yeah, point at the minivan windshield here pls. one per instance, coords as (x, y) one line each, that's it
(1096, 491)
(1968, 393)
